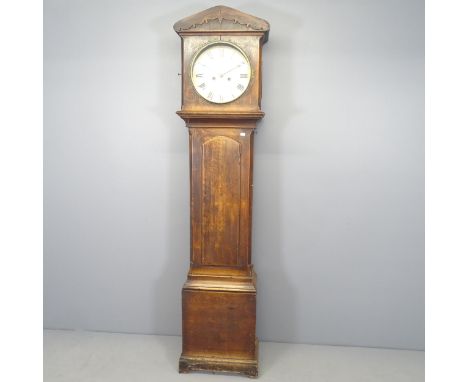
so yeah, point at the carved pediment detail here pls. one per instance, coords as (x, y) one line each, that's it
(221, 18)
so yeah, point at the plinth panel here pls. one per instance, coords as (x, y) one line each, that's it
(219, 324)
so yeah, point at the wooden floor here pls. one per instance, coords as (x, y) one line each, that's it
(72, 356)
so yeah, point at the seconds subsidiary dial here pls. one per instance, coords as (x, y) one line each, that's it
(221, 72)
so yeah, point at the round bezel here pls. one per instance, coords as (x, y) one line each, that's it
(208, 46)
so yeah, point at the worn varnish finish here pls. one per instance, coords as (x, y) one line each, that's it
(220, 201)
(219, 296)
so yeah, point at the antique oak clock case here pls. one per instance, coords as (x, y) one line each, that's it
(221, 100)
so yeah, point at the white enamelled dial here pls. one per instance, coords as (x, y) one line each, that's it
(221, 72)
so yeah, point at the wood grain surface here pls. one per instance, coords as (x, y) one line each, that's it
(219, 296)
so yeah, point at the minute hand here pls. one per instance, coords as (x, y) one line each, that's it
(230, 70)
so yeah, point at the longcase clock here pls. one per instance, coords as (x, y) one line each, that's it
(221, 100)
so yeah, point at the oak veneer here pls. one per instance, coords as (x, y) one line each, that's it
(219, 296)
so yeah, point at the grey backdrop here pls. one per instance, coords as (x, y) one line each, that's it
(339, 170)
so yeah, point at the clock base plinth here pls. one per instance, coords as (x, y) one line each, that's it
(245, 367)
(218, 326)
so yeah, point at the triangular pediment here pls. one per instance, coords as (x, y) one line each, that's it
(222, 19)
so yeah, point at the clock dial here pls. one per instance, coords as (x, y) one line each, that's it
(221, 72)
